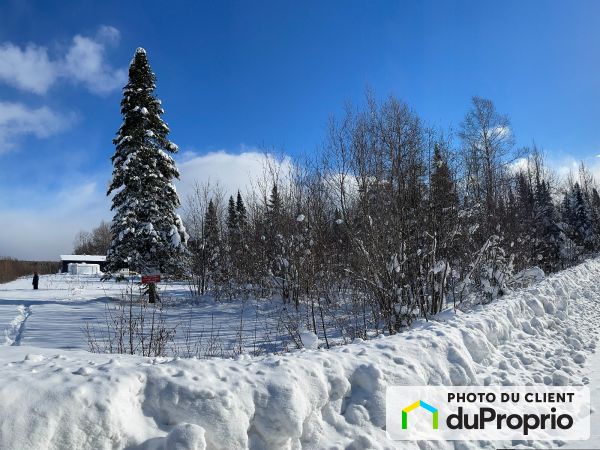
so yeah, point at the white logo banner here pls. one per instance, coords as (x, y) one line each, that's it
(488, 413)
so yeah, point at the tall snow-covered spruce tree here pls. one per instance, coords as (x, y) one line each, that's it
(147, 232)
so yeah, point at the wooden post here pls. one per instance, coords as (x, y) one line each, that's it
(152, 292)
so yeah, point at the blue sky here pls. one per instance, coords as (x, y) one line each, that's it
(236, 76)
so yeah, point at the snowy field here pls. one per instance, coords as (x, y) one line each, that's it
(55, 316)
(57, 398)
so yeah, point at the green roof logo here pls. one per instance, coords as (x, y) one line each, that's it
(423, 405)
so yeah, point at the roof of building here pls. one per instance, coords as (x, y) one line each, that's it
(83, 258)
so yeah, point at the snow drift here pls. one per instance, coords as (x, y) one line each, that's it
(309, 399)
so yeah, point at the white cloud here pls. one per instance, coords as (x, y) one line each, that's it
(45, 232)
(85, 62)
(569, 166)
(31, 69)
(28, 69)
(518, 165)
(232, 171)
(565, 167)
(17, 119)
(108, 35)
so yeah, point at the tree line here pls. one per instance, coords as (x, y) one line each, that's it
(394, 217)
(11, 268)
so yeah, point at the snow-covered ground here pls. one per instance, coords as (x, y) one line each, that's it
(56, 315)
(56, 398)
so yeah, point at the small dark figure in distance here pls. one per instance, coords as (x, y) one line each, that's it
(36, 280)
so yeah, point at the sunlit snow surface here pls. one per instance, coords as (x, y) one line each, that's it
(56, 315)
(53, 398)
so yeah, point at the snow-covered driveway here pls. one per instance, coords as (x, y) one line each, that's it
(311, 399)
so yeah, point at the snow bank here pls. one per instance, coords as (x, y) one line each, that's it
(311, 398)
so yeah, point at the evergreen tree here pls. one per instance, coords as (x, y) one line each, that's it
(277, 251)
(274, 237)
(232, 218)
(566, 212)
(236, 224)
(274, 209)
(595, 216)
(547, 236)
(240, 210)
(580, 219)
(147, 232)
(243, 262)
(443, 198)
(233, 227)
(443, 222)
(522, 228)
(570, 250)
(212, 242)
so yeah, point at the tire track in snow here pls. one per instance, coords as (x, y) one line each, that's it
(13, 333)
